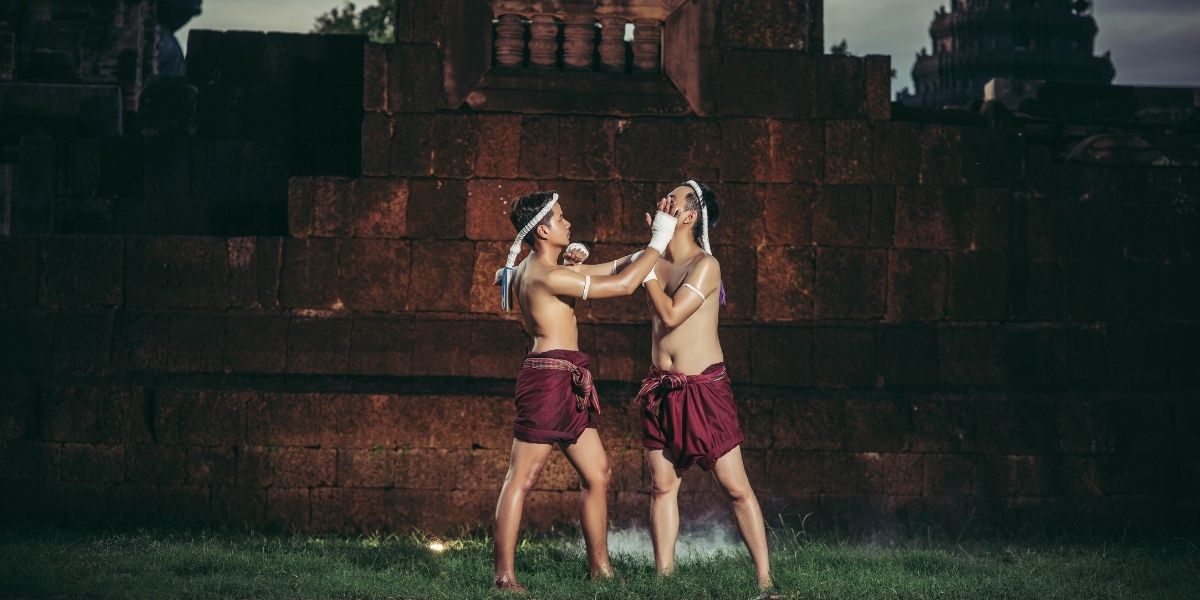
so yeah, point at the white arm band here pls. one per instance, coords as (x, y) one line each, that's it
(697, 290)
(587, 285)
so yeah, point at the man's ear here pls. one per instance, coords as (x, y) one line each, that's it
(543, 231)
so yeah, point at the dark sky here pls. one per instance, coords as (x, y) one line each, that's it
(1153, 42)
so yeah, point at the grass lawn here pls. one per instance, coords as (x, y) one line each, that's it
(56, 563)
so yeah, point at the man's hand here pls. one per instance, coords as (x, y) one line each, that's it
(576, 254)
(662, 227)
(665, 206)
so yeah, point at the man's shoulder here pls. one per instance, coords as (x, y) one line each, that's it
(543, 274)
(703, 264)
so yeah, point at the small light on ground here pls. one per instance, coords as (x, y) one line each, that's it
(437, 547)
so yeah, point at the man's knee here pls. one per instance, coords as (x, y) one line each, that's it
(597, 478)
(663, 486)
(739, 492)
(524, 484)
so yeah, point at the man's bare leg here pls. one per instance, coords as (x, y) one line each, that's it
(664, 510)
(588, 457)
(730, 472)
(525, 464)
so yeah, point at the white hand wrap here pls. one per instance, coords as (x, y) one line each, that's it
(579, 248)
(661, 231)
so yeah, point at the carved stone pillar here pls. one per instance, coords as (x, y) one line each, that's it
(612, 44)
(579, 41)
(543, 42)
(647, 37)
(510, 40)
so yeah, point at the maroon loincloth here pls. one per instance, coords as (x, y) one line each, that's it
(691, 417)
(556, 399)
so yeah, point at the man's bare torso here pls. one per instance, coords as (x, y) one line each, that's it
(549, 319)
(692, 346)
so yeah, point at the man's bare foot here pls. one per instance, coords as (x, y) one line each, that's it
(508, 584)
(766, 590)
(602, 573)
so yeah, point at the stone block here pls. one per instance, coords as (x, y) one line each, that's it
(908, 355)
(256, 343)
(193, 417)
(844, 357)
(309, 276)
(155, 464)
(412, 145)
(437, 209)
(489, 203)
(978, 287)
(414, 78)
(196, 343)
(916, 285)
(848, 152)
(972, 355)
(374, 274)
(782, 356)
(441, 348)
(93, 463)
(82, 344)
(80, 271)
(451, 266)
(877, 424)
(809, 423)
(841, 215)
(785, 282)
(318, 345)
(850, 283)
(586, 147)
(768, 84)
(787, 214)
(176, 272)
(381, 346)
(499, 145)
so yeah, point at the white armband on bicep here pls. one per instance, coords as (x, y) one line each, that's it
(696, 290)
(587, 285)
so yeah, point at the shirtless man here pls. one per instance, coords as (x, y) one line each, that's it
(556, 401)
(688, 415)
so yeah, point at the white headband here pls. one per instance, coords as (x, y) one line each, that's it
(703, 216)
(515, 249)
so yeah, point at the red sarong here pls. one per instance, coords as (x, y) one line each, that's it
(692, 418)
(556, 399)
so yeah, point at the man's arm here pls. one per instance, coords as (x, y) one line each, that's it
(566, 282)
(607, 268)
(701, 282)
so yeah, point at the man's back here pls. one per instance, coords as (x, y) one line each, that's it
(693, 345)
(549, 319)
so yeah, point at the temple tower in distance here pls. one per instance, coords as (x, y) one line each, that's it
(978, 40)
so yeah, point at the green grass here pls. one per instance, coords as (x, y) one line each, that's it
(153, 564)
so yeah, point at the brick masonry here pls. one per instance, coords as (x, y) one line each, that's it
(926, 332)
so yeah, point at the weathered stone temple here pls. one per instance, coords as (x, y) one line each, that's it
(979, 40)
(267, 301)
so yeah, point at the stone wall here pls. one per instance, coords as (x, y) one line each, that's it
(931, 328)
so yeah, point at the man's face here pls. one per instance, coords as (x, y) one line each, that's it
(558, 228)
(678, 198)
